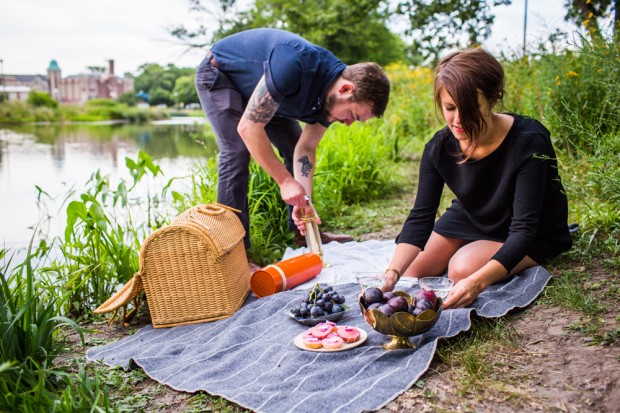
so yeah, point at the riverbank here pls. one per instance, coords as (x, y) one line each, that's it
(96, 110)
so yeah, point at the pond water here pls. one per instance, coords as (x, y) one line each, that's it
(56, 158)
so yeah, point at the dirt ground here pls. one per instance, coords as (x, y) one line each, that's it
(549, 368)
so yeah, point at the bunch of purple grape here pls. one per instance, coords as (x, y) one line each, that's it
(389, 303)
(318, 302)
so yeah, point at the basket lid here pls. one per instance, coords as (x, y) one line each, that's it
(217, 222)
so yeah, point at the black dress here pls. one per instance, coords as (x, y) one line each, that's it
(513, 195)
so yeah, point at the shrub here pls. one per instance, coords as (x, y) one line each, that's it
(41, 99)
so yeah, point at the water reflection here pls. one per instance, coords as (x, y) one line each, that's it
(158, 140)
(57, 158)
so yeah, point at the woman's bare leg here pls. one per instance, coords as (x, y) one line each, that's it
(435, 257)
(473, 256)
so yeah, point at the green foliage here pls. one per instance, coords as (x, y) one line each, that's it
(160, 96)
(471, 353)
(198, 187)
(576, 95)
(129, 99)
(79, 392)
(17, 111)
(354, 31)
(158, 82)
(41, 99)
(567, 291)
(99, 110)
(354, 164)
(101, 243)
(269, 232)
(30, 324)
(439, 25)
(184, 90)
(591, 15)
(26, 318)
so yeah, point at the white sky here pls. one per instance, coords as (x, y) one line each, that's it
(82, 33)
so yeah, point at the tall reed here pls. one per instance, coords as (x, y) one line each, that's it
(30, 327)
(101, 240)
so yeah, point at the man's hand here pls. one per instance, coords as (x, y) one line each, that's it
(299, 212)
(293, 193)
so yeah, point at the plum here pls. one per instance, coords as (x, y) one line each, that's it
(373, 295)
(387, 296)
(426, 294)
(386, 309)
(374, 306)
(424, 304)
(398, 304)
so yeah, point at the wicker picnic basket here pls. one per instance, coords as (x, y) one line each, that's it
(192, 271)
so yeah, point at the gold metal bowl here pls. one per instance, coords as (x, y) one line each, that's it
(402, 324)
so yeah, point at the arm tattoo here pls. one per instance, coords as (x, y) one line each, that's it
(261, 107)
(306, 165)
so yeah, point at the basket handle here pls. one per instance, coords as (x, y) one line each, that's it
(128, 293)
(215, 209)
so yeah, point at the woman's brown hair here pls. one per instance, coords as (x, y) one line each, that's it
(463, 75)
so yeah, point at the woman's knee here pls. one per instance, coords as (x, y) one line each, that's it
(459, 268)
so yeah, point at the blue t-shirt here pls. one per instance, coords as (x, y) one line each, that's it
(297, 72)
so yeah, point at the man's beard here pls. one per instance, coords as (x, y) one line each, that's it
(330, 102)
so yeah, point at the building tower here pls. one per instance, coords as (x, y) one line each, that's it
(53, 80)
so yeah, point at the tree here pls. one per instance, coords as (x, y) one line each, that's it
(41, 99)
(185, 90)
(590, 13)
(437, 25)
(158, 82)
(159, 96)
(129, 98)
(354, 30)
(220, 13)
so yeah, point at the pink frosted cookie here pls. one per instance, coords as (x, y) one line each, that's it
(333, 342)
(322, 330)
(307, 333)
(349, 334)
(310, 341)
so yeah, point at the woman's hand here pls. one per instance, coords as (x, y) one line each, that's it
(390, 279)
(463, 293)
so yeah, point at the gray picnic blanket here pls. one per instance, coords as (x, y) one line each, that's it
(250, 358)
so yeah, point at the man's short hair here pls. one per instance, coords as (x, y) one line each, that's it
(372, 85)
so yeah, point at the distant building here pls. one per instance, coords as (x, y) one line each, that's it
(15, 92)
(17, 87)
(74, 89)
